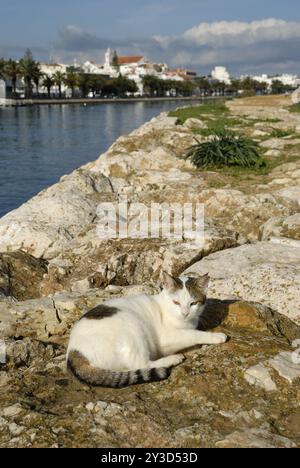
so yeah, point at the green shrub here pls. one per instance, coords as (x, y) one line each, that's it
(226, 149)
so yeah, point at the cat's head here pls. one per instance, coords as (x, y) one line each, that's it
(186, 295)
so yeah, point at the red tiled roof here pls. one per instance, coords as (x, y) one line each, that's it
(129, 59)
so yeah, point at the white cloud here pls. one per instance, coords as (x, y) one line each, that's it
(229, 32)
(270, 44)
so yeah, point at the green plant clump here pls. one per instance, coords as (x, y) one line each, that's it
(226, 148)
(295, 108)
(278, 133)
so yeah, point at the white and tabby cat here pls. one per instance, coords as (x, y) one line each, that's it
(134, 339)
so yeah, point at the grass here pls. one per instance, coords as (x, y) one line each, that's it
(226, 149)
(295, 108)
(214, 108)
(216, 116)
(278, 133)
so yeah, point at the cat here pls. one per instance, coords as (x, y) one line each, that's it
(130, 340)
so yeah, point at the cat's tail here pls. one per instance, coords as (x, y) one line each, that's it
(95, 376)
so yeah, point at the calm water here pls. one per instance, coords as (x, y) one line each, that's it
(40, 144)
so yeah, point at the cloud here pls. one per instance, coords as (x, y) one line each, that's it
(268, 44)
(17, 51)
(72, 41)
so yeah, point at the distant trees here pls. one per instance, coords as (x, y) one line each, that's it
(154, 86)
(48, 83)
(28, 69)
(12, 70)
(279, 88)
(59, 81)
(2, 66)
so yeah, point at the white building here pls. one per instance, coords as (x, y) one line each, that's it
(286, 79)
(135, 67)
(50, 69)
(221, 74)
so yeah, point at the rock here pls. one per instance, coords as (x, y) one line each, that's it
(195, 124)
(21, 275)
(4, 379)
(296, 96)
(243, 213)
(46, 223)
(12, 411)
(264, 272)
(15, 430)
(273, 153)
(259, 375)
(279, 143)
(288, 227)
(291, 193)
(255, 438)
(287, 365)
(259, 133)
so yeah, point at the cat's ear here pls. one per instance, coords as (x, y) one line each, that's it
(200, 283)
(169, 283)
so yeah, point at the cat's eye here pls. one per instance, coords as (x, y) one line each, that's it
(195, 303)
(176, 303)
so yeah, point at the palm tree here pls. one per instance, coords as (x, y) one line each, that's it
(12, 71)
(48, 82)
(59, 79)
(84, 83)
(70, 80)
(28, 67)
(2, 68)
(37, 76)
(97, 83)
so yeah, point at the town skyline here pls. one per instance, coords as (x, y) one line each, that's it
(256, 38)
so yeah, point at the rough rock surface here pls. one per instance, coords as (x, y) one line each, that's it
(54, 267)
(265, 272)
(21, 275)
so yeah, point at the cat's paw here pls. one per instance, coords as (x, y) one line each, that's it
(218, 338)
(176, 359)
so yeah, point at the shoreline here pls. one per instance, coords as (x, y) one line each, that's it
(88, 101)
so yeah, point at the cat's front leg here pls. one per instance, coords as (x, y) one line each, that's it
(181, 339)
(212, 338)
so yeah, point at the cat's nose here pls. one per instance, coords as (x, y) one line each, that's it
(185, 313)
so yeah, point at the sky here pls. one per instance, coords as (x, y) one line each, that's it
(246, 36)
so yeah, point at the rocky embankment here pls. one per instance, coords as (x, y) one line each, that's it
(54, 267)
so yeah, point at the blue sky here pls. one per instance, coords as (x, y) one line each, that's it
(194, 33)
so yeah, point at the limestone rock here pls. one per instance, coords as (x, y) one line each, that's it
(287, 364)
(243, 213)
(255, 438)
(194, 124)
(264, 272)
(47, 222)
(259, 375)
(288, 227)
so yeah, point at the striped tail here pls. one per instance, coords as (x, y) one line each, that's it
(95, 376)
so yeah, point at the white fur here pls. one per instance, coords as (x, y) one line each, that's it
(145, 333)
